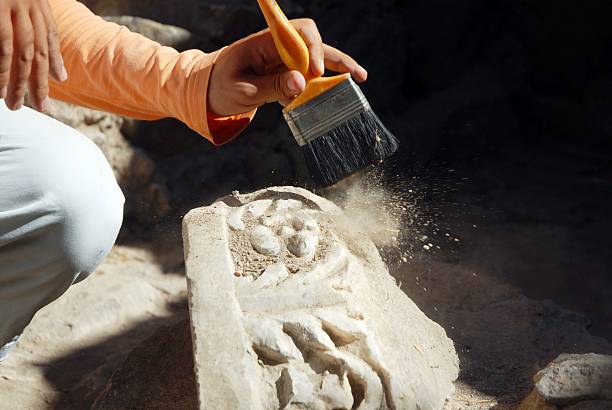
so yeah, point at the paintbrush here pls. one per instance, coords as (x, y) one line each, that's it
(331, 119)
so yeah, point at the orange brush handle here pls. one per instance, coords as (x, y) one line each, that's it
(294, 53)
(290, 45)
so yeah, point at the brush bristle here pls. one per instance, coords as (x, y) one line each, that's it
(353, 145)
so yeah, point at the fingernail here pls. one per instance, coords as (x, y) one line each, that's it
(362, 73)
(44, 106)
(3, 91)
(19, 104)
(63, 74)
(292, 87)
(322, 65)
(14, 106)
(295, 85)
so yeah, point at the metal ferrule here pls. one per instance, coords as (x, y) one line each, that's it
(326, 111)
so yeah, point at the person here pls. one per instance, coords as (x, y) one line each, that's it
(60, 206)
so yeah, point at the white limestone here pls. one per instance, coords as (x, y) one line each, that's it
(305, 221)
(264, 241)
(303, 244)
(258, 208)
(286, 232)
(234, 219)
(287, 204)
(321, 326)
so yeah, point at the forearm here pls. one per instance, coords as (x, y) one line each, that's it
(115, 70)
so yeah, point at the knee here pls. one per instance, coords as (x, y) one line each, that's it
(87, 200)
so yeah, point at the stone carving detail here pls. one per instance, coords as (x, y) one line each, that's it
(318, 319)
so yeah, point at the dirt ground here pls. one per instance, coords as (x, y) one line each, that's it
(522, 272)
(522, 276)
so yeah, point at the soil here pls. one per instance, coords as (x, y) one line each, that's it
(527, 280)
(165, 363)
(249, 262)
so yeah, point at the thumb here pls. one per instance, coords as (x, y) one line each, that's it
(279, 86)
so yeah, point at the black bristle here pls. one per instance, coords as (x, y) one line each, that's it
(353, 145)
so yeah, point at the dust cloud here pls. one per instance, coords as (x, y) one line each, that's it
(398, 213)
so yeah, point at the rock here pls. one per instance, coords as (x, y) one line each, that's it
(270, 341)
(277, 218)
(258, 208)
(306, 331)
(264, 241)
(286, 232)
(294, 387)
(234, 220)
(286, 205)
(272, 276)
(165, 34)
(571, 379)
(336, 392)
(361, 342)
(303, 244)
(304, 221)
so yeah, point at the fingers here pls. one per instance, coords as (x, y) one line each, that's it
(39, 79)
(29, 53)
(22, 61)
(6, 51)
(250, 72)
(339, 62)
(258, 53)
(275, 87)
(56, 62)
(264, 55)
(311, 36)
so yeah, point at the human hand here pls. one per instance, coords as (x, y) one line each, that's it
(29, 52)
(250, 72)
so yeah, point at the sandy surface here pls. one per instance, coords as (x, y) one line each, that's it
(72, 347)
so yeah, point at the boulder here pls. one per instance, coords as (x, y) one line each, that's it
(326, 329)
(582, 381)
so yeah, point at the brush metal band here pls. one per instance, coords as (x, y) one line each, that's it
(326, 111)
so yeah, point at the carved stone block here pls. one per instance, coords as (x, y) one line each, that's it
(292, 308)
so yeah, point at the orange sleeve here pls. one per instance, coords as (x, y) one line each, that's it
(115, 70)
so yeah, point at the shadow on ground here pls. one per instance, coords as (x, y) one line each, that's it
(149, 365)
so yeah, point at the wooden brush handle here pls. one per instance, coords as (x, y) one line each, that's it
(290, 45)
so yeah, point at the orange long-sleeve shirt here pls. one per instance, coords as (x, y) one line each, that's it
(115, 70)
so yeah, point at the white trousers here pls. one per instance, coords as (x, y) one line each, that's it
(60, 213)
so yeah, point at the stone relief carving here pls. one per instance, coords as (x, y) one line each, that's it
(320, 321)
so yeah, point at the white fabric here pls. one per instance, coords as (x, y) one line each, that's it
(60, 212)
